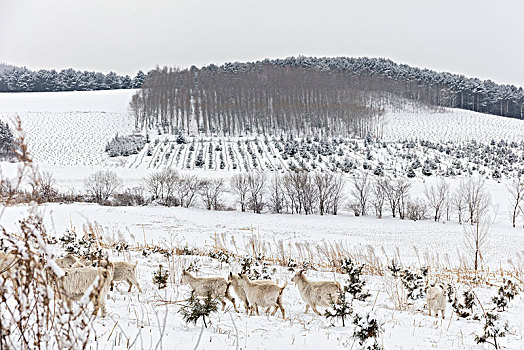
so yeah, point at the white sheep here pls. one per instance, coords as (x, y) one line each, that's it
(76, 281)
(265, 295)
(316, 293)
(234, 280)
(217, 287)
(67, 261)
(436, 299)
(8, 262)
(124, 271)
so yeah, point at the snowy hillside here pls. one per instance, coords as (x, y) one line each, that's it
(73, 128)
(69, 128)
(451, 125)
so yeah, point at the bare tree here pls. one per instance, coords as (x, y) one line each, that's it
(102, 184)
(210, 190)
(378, 198)
(188, 189)
(516, 192)
(360, 190)
(339, 184)
(473, 194)
(257, 183)
(324, 183)
(163, 185)
(401, 188)
(458, 204)
(436, 195)
(240, 186)
(477, 232)
(388, 189)
(276, 195)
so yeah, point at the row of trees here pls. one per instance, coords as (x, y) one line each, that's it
(21, 79)
(268, 99)
(306, 94)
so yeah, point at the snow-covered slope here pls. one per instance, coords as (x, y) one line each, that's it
(451, 125)
(69, 128)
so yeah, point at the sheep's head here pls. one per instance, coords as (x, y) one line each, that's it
(233, 277)
(183, 279)
(298, 276)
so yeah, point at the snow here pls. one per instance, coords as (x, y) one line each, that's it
(451, 125)
(67, 133)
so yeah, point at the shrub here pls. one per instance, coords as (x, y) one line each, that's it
(160, 278)
(7, 143)
(101, 185)
(198, 309)
(125, 145)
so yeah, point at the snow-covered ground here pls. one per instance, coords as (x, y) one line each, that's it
(67, 133)
(454, 125)
(145, 313)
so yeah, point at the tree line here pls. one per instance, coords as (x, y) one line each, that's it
(21, 79)
(267, 100)
(343, 96)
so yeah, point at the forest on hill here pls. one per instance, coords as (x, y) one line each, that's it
(342, 96)
(22, 79)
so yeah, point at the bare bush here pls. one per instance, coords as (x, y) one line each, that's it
(43, 188)
(32, 318)
(101, 185)
(416, 210)
(301, 190)
(163, 185)
(134, 196)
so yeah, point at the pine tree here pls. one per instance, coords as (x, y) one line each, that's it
(198, 309)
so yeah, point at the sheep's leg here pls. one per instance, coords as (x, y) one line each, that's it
(443, 313)
(132, 281)
(111, 287)
(307, 308)
(256, 308)
(314, 307)
(232, 300)
(429, 311)
(279, 303)
(246, 305)
(223, 303)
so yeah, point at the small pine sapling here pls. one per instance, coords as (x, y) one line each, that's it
(493, 330)
(342, 307)
(198, 308)
(465, 309)
(414, 284)
(506, 293)
(367, 330)
(160, 278)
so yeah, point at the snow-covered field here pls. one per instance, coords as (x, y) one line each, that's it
(67, 133)
(451, 125)
(146, 314)
(69, 128)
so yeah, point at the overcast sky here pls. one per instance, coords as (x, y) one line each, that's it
(477, 38)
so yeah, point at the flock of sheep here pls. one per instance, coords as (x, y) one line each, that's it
(79, 276)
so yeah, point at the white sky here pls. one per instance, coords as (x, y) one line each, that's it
(477, 38)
